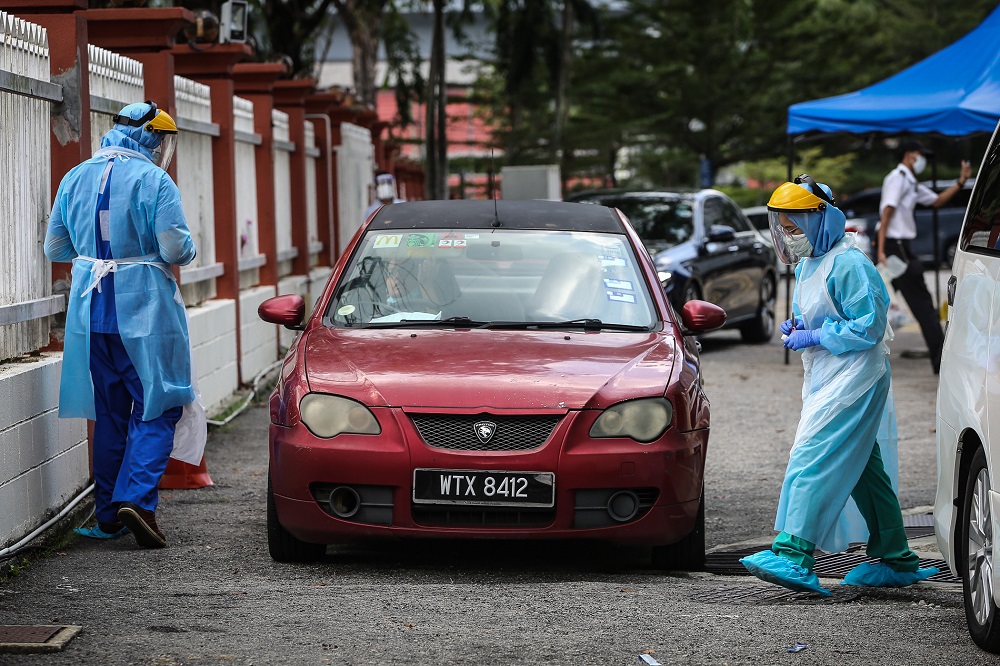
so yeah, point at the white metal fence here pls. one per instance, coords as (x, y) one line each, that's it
(355, 165)
(312, 224)
(247, 235)
(25, 276)
(282, 192)
(194, 179)
(115, 81)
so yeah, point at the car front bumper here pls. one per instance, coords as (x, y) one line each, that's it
(665, 476)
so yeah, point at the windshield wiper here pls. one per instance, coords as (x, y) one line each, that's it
(457, 322)
(585, 323)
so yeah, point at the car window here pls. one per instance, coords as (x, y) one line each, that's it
(733, 217)
(492, 276)
(661, 223)
(714, 212)
(982, 223)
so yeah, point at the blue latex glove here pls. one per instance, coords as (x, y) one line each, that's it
(798, 340)
(789, 324)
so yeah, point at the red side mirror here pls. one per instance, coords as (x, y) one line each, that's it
(702, 316)
(287, 310)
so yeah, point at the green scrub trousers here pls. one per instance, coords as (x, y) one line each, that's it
(879, 506)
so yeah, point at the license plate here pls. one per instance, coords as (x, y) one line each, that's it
(483, 488)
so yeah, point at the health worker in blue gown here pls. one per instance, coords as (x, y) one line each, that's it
(839, 483)
(126, 365)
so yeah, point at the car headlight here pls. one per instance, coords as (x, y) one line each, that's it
(664, 276)
(642, 420)
(330, 415)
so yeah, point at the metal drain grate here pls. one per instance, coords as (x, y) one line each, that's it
(772, 594)
(727, 562)
(828, 565)
(26, 634)
(836, 565)
(30, 639)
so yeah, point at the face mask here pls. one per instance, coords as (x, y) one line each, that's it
(920, 164)
(799, 245)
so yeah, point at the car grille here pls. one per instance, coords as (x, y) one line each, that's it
(457, 432)
(483, 516)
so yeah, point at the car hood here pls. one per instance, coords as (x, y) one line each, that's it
(490, 369)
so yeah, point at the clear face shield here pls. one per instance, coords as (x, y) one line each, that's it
(385, 187)
(165, 151)
(790, 241)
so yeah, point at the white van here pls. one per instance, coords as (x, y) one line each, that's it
(967, 505)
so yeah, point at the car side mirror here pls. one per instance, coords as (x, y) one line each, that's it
(702, 317)
(287, 311)
(720, 233)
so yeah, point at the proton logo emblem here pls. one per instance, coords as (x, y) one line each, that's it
(485, 431)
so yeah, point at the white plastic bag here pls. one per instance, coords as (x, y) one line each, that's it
(191, 432)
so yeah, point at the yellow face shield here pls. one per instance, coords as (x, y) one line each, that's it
(162, 122)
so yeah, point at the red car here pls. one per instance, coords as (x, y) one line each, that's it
(504, 369)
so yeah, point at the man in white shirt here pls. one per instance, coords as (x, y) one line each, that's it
(900, 195)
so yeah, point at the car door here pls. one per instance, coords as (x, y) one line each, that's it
(718, 261)
(748, 261)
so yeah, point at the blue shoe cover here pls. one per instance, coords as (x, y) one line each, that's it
(780, 571)
(96, 532)
(880, 574)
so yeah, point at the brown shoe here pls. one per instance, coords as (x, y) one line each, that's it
(142, 524)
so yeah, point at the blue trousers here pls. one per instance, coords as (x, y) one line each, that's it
(130, 455)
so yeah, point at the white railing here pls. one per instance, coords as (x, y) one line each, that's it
(312, 153)
(282, 192)
(194, 178)
(355, 165)
(247, 238)
(115, 81)
(25, 276)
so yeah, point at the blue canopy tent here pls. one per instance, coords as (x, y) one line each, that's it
(954, 92)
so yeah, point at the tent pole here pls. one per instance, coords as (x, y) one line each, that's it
(937, 243)
(788, 268)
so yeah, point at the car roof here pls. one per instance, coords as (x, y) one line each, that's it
(600, 195)
(480, 214)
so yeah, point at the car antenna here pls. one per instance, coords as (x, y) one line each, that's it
(493, 192)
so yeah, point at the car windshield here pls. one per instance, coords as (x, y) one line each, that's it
(506, 278)
(661, 222)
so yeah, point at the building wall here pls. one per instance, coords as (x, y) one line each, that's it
(43, 459)
(212, 326)
(259, 339)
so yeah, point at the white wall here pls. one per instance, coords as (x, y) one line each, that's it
(212, 326)
(259, 339)
(43, 459)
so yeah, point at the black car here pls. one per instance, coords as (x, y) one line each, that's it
(704, 249)
(863, 206)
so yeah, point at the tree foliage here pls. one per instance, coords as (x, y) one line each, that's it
(666, 81)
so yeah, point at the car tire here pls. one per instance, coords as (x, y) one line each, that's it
(282, 546)
(688, 554)
(761, 328)
(981, 612)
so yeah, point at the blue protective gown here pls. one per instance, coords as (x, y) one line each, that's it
(846, 396)
(148, 233)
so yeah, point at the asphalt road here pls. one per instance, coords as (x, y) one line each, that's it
(215, 597)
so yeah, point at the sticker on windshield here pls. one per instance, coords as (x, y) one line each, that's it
(421, 240)
(345, 310)
(611, 261)
(620, 297)
(387, 240)
(613, 250)
(618, 284)
(471, 236)
(447, 243)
